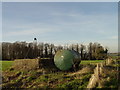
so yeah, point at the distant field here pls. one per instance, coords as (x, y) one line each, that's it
(115, 57)
(7, 64)
(4, 65)
(91, 61)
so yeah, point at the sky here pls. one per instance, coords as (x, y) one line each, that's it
(60, 0)
(61, 23)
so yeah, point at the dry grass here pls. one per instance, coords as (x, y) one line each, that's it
(26, 64)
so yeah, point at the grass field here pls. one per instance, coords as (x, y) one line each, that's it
(91, 61)
(68, 80)
(4, 65)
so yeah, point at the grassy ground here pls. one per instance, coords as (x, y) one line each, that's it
(37, 79)
(4, 65)
(91, 61)
(60, 79)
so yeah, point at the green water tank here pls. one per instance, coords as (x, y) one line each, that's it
(66, 59)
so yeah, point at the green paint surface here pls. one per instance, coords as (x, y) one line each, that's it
(64, 59)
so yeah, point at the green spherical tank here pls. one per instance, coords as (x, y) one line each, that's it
(66, 59)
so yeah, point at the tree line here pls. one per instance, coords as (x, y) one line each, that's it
(24, 50)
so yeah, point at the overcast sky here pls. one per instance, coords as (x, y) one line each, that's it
(61, 23)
